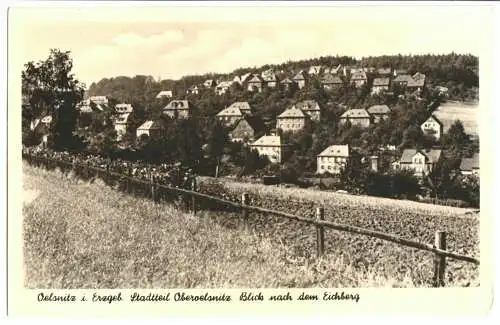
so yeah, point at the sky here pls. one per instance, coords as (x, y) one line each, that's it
(169, 42)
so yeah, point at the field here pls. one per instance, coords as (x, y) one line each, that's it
(467, 113)
(81, 235)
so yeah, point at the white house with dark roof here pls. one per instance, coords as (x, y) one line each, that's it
(164, 94)
(209, 83)
(359, 78)
(380, 84)
(291, 120)
(379, 112)
(270, 80)
(150, 128)
(300, 79)
(255, 83)
(310, 108)
(223, 87)
(124, 108)
(178, 109)
(356, 116)
(433, 127)
(421, 162)
(120, 124)
(193, 90)
(330, 81)
(333, 159)
(314, 70)
(470, 166)
(269, 146)
(417, 82)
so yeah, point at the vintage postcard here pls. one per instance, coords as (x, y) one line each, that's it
(238, 158)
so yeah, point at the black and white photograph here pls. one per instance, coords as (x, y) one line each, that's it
(249, 151)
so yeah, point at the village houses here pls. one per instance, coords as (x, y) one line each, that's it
(379, 85)
(379, 112)
(286, 83)
(433, 127)
(255, 83)
(291, 120)
(356, 116)
(359, 79)
(270, 80)
(333, 159)
(300, 79)
(209, 83)
(470, 166)
(150, 128)
(193, 90)
(246, 129)
(99, 100)
(123, 108)
(384, 72)
(269, 146)
(164, 94)
(310, 108)
(421, 162)
(402, 80)
(222, 87)
(416, 83)
(334, 70)
(331, 82)
(178, 109)
(120, 123)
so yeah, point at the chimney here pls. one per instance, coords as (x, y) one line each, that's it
(374, 162)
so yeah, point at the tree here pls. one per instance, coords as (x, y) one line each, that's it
(51, 89)
(456, 139)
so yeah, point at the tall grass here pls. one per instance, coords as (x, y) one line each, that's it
(81, 235)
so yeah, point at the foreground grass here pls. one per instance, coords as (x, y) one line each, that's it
(80, 235)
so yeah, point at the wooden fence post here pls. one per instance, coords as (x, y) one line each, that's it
(193, 197)
(244, 212)
(320, 232)
(439, 260)
(129, 174)
(153, 196)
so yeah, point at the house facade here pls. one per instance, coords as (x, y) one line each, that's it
(246, 129)
(209, 83)
(359, 78)
(123, 108)
(314, 70)
(300, 80)
(229, 115)
(380, 84)
(178, 109)
(402, 80)
(255, 84)
(310, 108)
(330, 82)
(433, 127)
(333, 159)
(356, 116)
(421, 162)
(286, 83)
(379, 112)
(270, 80)
(269, 146)
(120, 125)
(291, 120)
(193, 90)
(417, 82)
(222, 87)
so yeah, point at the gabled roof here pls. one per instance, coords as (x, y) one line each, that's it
(432, 118)
(292, 113)
(432, 155)
(331, 79)
(245, 76)
(418, 76)
(400, 71)
(286, 81)
(356, 113)
(335, 151)
(177, 104)
(150, 125)
(381, 81)
(270, 77)
(383, 71)
(164, 93)
(308, 105)
(299, 76)
(417, 83)
(268, 140)
(403, 78)
(379, 109)
(230, 111)
(315, 69)
(468, 164)
(255, 123)
(242, 106)
(360, 75)
(255, 79)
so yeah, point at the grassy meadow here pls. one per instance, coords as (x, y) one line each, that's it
(87, 235)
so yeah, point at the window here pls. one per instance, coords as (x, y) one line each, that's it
(322, 167)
